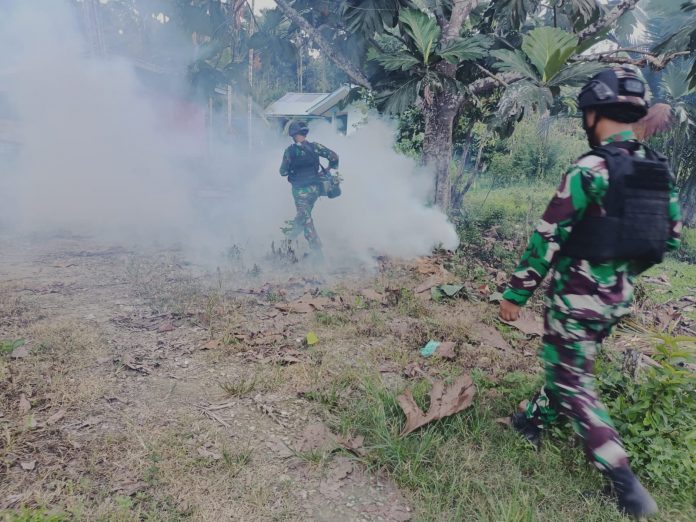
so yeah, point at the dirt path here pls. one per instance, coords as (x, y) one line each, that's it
(121, 407)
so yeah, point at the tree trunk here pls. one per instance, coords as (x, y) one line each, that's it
(437, 142)
(688, 201)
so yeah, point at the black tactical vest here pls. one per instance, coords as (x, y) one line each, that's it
(304, 168)
(636, 224)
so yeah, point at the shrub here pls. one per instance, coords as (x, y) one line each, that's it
(655, 413)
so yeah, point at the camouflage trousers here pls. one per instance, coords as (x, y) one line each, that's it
(568, 352)
(305, 198)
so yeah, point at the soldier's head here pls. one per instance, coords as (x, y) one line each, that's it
(612, 99)
(298, 131)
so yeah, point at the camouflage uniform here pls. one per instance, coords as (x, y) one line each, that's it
(305, 192)
(584, 302)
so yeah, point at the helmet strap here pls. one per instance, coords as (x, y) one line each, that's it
(591, 130)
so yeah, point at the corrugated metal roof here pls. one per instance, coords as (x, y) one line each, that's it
(296, 104)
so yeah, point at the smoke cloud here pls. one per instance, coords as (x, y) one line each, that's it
(99, 156)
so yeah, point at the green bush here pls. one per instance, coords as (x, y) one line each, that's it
(687, 252)
(655, 413)
(540, 149)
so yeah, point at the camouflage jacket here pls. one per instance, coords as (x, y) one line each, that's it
(581, 289)
(297, 151)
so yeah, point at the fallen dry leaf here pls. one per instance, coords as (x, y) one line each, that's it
(209, 454)
(443, 403)
(491, 337)
(413, 370)
(24, 404)
(446, 350)
(342, 468)
(55, 417)
(130, 487)
(352, 444)
(28, 465)
(433, 280)
(211, 345)
(528, 323)
(505, 421)
(317, 437)
(166, 326)
(372, 295)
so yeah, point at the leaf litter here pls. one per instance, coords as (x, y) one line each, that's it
(443, 403)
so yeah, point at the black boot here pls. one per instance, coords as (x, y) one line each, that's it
(529, 431)
(634, 500)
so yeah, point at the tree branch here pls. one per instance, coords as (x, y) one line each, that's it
(461, 9)
(607, 20)
(485, 85)
(655, 62)
(336, 57)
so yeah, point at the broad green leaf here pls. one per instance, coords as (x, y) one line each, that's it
(575, 74)
(395, 61)
(675, 81)
(400, 99)
(548, 48)
(422, 29)
(465, 49)
(514, 61)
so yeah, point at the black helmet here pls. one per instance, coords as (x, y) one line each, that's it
(298, 127)
(619, 92)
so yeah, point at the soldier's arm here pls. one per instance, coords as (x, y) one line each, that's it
(285, 165)
(675, 221)
(327, 153)
(565, 209)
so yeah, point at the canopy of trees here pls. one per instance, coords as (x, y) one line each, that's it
(448, 65)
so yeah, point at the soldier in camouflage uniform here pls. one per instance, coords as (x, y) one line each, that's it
(304, 172)
(586, 299)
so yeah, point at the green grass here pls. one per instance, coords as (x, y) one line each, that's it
(681, 277)
(468, 467)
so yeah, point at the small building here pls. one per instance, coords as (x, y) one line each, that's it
(307, 106)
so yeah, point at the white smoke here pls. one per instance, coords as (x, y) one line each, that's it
(96, 159)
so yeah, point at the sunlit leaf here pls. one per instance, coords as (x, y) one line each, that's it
(465, 49)
(548, 48)
(422, 29)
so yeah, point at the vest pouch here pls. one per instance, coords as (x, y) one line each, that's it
(645, 226)
(586, 243)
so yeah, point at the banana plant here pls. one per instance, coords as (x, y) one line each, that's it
(543, 63)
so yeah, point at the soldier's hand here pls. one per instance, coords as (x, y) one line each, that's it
(509, 311)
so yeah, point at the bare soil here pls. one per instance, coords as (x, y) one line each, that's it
(151, 388)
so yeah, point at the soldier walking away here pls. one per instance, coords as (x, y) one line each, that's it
(614, 215)
(302, 167)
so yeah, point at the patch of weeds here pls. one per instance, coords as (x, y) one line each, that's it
(152, 473)
(655, 412)
(9, 346)
(237, 461)
(240, 387)
(329, 319)
(317, 458)
(373, 325)
(467, 467)
(32, 515)
(682, 283)
(409, 304)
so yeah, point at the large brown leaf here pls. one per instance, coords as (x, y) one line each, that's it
(528, 323)
(443, 403)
